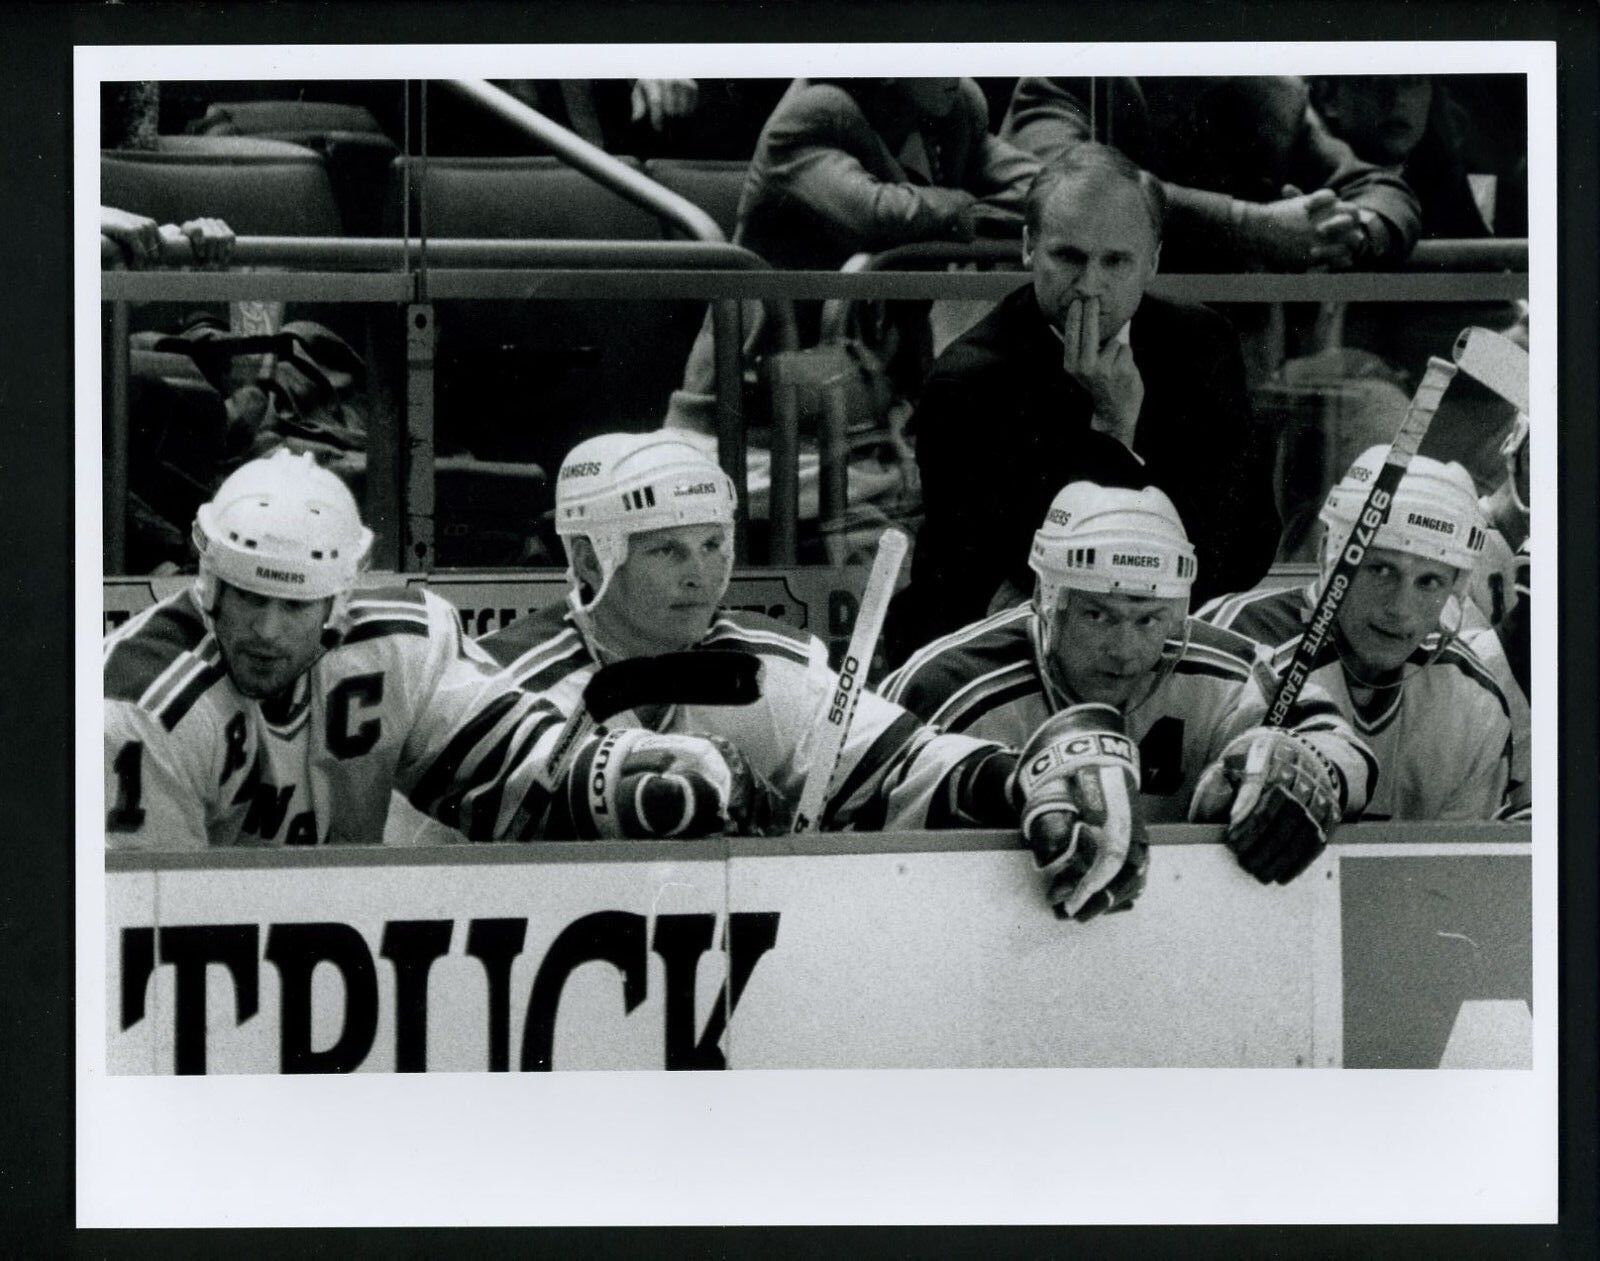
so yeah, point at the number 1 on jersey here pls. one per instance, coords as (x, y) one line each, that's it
(127, 815)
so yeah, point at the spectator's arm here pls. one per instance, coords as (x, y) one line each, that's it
(1001, 176)
(997, 172)
(1388, 208)
(1047, 116)
(811, 160)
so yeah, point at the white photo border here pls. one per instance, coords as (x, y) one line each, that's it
(869, 1147)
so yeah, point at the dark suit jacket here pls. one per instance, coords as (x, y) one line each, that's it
(1001, 428)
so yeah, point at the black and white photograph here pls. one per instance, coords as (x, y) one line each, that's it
(992, 583)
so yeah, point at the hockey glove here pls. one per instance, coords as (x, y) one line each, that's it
(1076, 779)
(638, 784)
(1280, 798)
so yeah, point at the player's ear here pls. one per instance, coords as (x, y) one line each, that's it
(585, 564)
(1155, 263)
(1027, 247)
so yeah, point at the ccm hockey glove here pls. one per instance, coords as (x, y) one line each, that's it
(1077, 778)
(1280, 798)
(636, 784)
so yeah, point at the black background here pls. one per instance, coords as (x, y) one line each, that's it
(36, 513)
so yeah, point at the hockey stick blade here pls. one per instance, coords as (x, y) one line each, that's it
(833, 722)
(716, 676)
(1496, 362)
(1413, 429)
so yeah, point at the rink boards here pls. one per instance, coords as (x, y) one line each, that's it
(1404, 947)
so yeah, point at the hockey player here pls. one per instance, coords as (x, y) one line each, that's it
(647, 521)
(272, 704)
(1438, 720)
(1108, 629)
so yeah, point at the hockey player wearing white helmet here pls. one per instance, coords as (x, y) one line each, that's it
(1438, 718)
(1106, 645)
(272, 704)
(647, 520)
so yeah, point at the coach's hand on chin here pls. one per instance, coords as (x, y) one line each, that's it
(1105, 369)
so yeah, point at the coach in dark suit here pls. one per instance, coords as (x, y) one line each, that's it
(1080, 376)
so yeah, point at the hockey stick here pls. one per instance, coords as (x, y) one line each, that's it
(1419, 415)
(833, 723)
(713, 677)
(1495, 361)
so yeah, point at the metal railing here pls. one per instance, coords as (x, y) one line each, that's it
(374, 271)
(1490, 254)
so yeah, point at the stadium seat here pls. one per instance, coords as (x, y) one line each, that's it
(525, 198)
(356, 150)
(525, 380)
(712, 184)
(261, 187)
(258, 186)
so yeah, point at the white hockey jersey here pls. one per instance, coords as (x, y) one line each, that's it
(1447, 739)
(401, 700)
(893, 771)
(987, 680)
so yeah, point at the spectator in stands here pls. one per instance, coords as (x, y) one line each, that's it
(1408, 124)
(1081, 376)
(1253, 177)
(852, 165)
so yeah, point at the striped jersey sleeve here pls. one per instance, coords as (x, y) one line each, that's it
(471, 728)
(894, 771)
(155, 669)
(963, 678)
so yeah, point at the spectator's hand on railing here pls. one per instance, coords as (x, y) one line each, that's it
(662, 100)
(1302, 230)
(209, 240)
(138, 236)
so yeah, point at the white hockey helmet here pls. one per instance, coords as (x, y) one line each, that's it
(621, 484)
(1434, 513)
(1112, 541)
(281, 526)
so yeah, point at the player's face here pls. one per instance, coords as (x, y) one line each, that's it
(1103, 647)
(1394, 601)
(665, 594)
(266, 642)
(1095, 241)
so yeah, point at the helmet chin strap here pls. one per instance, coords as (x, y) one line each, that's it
(1448, 632)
